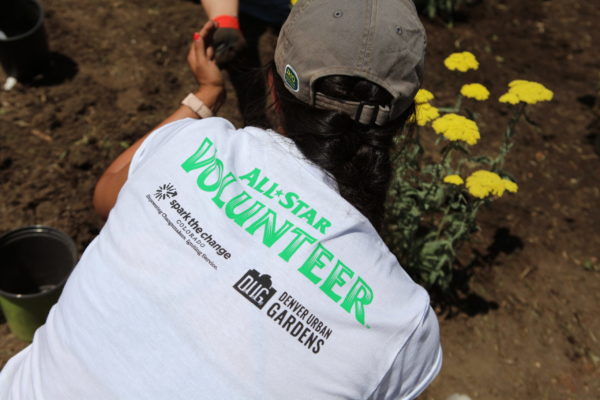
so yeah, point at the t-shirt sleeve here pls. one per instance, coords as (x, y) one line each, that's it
(155, 140)
(416, 365)
(214, 126)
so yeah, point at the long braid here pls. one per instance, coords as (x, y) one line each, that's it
(356, 155)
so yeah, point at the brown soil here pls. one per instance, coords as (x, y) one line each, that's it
(526, 327)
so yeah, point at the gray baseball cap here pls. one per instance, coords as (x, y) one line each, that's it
(382, 41)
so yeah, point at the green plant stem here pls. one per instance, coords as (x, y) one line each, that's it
(454, 109)
(431, 8)
(451, 146)
(459, 239)
(508, 137)
(450, 9)
(442, 226)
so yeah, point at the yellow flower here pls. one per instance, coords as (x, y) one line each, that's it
(461, 61)
(510, 186)
(456, 127)
(483, 183)
(424, 113)
(475, 91)
(293, 2)
(423, 96)
(509, 97)
(454, 179)
(527, 92)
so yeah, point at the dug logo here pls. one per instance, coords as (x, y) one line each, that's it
(255, 287)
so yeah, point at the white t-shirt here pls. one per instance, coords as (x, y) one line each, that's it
(231, 268)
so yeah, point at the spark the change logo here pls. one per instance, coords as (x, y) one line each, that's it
(165, 191)
(255, 287)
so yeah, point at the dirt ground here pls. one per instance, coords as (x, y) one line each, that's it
(527, 325)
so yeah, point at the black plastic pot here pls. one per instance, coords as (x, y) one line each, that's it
(35, 263)
(23, 43)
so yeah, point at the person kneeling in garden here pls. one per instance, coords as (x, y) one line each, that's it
(247, 264)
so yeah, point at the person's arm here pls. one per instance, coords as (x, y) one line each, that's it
(228, 40)
(215, 8)
(201, 59)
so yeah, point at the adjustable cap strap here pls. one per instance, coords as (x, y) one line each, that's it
(364, 113)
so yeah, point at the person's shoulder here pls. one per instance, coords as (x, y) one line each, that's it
(190, 126)
(212, 123)
(260, 140)
(218, 130)
(222, 126)
(263, 135)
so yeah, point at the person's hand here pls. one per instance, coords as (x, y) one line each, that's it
(202, 62)
(228, 43)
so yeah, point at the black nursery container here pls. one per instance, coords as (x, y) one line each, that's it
(35, 263)
(23, 43)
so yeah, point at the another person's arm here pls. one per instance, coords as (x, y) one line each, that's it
(215, 8)
(201, 59)
(228, 39)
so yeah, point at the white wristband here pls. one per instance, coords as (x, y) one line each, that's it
(197, 106)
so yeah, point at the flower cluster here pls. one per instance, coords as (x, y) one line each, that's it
(483, 183)
(527, 92)
(424, 112)
(454, 180)
(439, 186)
(475, 91)
(423, 96)
(461, 61)
(456, 127)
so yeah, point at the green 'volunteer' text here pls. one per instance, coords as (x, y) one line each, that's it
(253, 216)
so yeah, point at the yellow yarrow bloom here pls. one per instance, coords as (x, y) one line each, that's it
(483, 183)
(475, 91)
(461, 61)
(527, 92)
(424, 113)
(423, 96)
(510, 186)
(456, 127)
(510, 98)
(454, 180)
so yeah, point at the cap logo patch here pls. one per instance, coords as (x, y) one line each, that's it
(291, 78)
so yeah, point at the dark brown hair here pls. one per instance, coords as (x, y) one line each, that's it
(356, 155)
